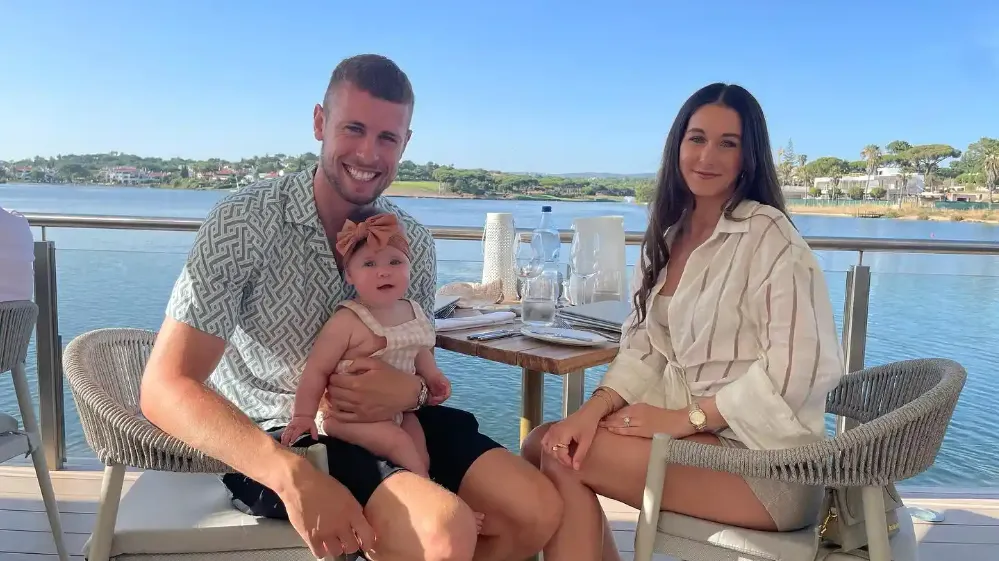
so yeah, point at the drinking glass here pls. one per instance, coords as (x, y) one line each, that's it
(584, 259)
(528, 262)
(607, 286)
(538, 289)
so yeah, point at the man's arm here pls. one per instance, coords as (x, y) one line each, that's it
(175, 398)
(202, 314)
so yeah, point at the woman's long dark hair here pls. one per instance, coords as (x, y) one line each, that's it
(757, 180)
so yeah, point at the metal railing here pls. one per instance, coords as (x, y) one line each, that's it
(48, 342)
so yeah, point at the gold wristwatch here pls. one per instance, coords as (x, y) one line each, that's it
(697, 417)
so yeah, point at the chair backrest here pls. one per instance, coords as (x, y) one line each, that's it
(113, 360)
(17, 322)
(905, 407)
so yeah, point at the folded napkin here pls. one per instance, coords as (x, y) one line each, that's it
(468, 322)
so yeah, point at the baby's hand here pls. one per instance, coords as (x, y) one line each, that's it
(440, 388)
(297, 427)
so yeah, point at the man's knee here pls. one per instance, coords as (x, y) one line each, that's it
(417, 519)
(538, 520)
(534, 512)
(451, 535)
(530, 449)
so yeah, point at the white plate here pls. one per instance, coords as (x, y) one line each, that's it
(562, 336)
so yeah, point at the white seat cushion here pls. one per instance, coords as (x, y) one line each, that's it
(167, 512)
(688, 537)
(676, 532)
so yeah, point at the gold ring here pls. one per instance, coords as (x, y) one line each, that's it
(627, 421)
(559, 445)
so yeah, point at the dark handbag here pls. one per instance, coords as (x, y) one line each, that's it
(843, 527)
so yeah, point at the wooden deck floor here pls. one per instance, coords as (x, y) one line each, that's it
(970, 530)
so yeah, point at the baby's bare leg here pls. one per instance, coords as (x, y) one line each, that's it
(412, 426)
(385, 439)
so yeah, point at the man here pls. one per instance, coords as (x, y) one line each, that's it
(17, 257)
(260, 281)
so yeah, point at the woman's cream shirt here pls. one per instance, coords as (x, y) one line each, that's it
(751, 324)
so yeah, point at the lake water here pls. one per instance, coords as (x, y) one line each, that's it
(921, 305)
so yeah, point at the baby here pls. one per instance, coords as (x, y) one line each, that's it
(379, 323)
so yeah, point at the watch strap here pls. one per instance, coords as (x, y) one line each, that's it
(424, 394)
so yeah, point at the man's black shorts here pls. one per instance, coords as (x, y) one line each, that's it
(453, 443)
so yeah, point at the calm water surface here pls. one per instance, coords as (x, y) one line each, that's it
(921, 305)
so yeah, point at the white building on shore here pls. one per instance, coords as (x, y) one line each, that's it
(887, 178)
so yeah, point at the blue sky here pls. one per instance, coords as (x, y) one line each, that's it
(542, 86)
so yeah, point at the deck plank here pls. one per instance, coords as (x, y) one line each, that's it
(970, 529)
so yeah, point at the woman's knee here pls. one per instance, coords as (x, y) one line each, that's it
(530, 449)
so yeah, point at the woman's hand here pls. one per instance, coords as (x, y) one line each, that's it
(569, 440)
(644, 420)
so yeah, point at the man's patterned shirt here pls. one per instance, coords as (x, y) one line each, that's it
(262, 276)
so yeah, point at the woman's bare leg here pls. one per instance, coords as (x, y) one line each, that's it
(531, 451)
(615, 467)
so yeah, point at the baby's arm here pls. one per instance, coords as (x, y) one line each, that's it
(437, 382)
(329, 347)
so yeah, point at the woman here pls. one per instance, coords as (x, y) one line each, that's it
(731, 342)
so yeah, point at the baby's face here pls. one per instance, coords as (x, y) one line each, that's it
(380, 277)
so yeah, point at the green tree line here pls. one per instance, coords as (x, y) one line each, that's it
(183, 173)
(977, 166)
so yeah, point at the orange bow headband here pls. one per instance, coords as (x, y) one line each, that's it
(381, 230)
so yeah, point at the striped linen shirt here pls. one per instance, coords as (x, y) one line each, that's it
(750, 323)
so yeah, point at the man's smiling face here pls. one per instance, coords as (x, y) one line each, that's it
(363, 141)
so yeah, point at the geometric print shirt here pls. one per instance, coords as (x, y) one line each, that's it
(262, 276)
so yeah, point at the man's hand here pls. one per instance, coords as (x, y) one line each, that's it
(371, 391)
(323, 512)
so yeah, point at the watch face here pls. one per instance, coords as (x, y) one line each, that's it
(697, 417)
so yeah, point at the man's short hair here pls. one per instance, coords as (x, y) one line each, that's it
(374, 74)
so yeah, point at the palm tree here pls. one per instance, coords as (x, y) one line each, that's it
(872, 155)
(990, 164)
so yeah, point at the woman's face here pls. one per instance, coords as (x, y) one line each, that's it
(711, 152)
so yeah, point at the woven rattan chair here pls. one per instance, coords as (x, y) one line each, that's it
(17, 321)
(903, 409)
(178, 508)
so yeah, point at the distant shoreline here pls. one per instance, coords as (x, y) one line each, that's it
(429, 190)
(907, 212)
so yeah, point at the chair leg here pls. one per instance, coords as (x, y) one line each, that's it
(107, 514)
(876, 524)
(38, 459)
(648, 517)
